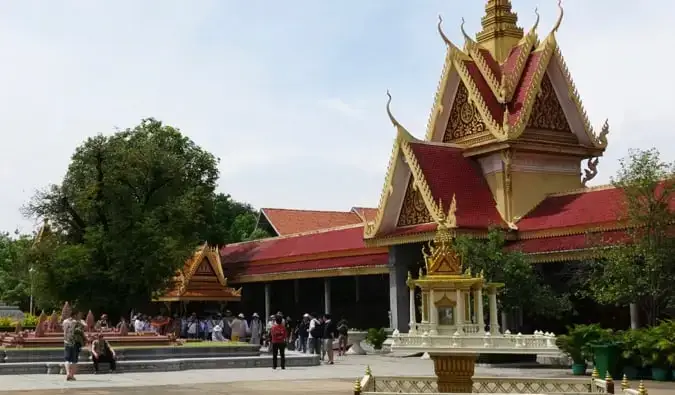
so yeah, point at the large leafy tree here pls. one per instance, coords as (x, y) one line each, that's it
(15, 273)
(642, 270)
(524, 289)
(127, 214)
(230, 221)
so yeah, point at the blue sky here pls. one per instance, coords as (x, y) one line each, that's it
(290, 94)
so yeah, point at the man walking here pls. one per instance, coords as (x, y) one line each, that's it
(72, 341)
(315, 335)
(278, 336)
(330, 333)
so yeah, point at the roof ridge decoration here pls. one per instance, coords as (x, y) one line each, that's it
(440, 258)
(209, 253)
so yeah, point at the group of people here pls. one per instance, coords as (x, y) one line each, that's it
(317, 334)
(74, 338)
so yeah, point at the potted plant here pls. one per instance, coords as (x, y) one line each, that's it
(657, 346)
(606, 349)
(376, 338)
(577, 343)
(632, 353)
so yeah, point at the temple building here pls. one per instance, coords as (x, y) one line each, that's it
(508, 145)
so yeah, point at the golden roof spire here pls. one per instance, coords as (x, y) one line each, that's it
(500, 31)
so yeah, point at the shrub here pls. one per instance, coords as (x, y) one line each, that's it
(578, 342)
(376, 337)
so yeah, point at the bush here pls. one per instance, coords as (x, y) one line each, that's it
(579, 341)
(376, 337)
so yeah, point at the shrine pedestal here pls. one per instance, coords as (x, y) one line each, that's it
(454, 372)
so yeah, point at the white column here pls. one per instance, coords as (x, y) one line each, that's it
(296, 291)
(413, 320)
(479, 311)
(357, 289)
(433, 314)
(326, 295)
(459, 311)
(268, 298)
(494, 319)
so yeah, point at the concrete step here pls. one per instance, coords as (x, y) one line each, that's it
(132, 354)
(165, 365)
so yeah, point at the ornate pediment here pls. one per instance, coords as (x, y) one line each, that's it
(547, 113)
(465, 120)
(205, 268)
(413, 211)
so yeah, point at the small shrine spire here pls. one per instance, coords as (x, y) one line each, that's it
(500, 30)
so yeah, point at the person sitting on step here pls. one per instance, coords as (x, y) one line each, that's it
(101, 351)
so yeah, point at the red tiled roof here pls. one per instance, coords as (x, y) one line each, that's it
(380, 259)
(341, 239)
(586, 208)
(449, 173)
(570, 242)
(496, 109)
(366, 212)
(525, 84)
(286, 221)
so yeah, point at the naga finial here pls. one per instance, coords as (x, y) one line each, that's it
(602, 138)
(467, 38)
(561, 13)
(536, 22)
(440, 31)
(591, 172)
(391, 116)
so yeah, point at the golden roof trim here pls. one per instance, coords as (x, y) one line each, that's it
(510, 82)
(547, 49)
(599, 141)
(316, 273)
(566, 255)
(579, 191)
(609, 226)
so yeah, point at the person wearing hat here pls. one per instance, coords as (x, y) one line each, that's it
(101, 351)
(256, 329)
(218, 334)
(239, 328)
(103, 324)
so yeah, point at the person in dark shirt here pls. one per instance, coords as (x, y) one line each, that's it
(330, 333)
(343, 331)
(302, 333)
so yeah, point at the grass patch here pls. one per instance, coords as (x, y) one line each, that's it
(185, 345)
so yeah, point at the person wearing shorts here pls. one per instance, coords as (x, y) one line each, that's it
(71, 348)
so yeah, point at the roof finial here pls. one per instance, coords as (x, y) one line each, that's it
(440, 31)
(536, 22)
(391, 116)
(561, 13)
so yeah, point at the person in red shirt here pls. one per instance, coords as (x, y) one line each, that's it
(279, 336)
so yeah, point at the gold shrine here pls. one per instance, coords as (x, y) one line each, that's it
(452, 297)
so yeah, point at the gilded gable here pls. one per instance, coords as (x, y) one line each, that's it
(464, 118)
(547, 114)
(204, 268)
(414, 211)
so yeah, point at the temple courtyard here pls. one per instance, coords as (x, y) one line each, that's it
(328, 380)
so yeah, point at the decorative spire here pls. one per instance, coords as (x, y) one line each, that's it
(500, 31)
(441, 258)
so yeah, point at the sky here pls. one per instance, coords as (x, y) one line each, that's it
(290, 95)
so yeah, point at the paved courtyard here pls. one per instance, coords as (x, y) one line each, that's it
(328, 380)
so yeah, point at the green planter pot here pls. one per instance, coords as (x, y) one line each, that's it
(578, 369)
(606, 359)
(631, 372)
(660, 374)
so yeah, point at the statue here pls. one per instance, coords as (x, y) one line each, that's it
(90, 321)
(53, 323)
(41, 324)
(591, 172)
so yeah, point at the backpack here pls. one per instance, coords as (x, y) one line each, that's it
(317, 331)
(278, 334)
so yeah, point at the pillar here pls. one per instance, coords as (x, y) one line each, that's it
(357, 290)
(454, 373)
(296, 291)
(479, 311)
(399, 256)
(326, 295)
(433, 313)
(467, 307)
(413, 322)
(494, 320)
(268, 299)
(459, 319)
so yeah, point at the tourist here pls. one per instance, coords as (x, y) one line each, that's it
(330, 333)
(278, 336)
(73, 339)
(302, 334)
(216, 322)
(122, 324)
(192, 327)
(343, 333)
(217, 335)
(203, 329)
(103, 324)
(138, 324)
(239, 328)
(256, 329)
(101, 351)
(315, 333)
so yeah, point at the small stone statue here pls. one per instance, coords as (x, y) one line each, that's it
(41, 324)
(91, 321)
(53, 324)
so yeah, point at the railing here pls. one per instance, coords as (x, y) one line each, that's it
(539, 343)
(381, 385)
(447, 329)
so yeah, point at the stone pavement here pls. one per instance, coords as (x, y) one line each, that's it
(326, 379)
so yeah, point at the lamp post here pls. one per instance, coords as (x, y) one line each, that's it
(30, 272)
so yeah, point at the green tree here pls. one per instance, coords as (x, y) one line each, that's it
(523, 290)
(641, 270)
(127, 214)
(230, 221)
(15, 273)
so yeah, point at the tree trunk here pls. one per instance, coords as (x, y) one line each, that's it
(634, 316)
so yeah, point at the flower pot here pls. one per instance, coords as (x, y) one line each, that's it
(631, 372)
(606, 358)
(660, 374)
(578, 369)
